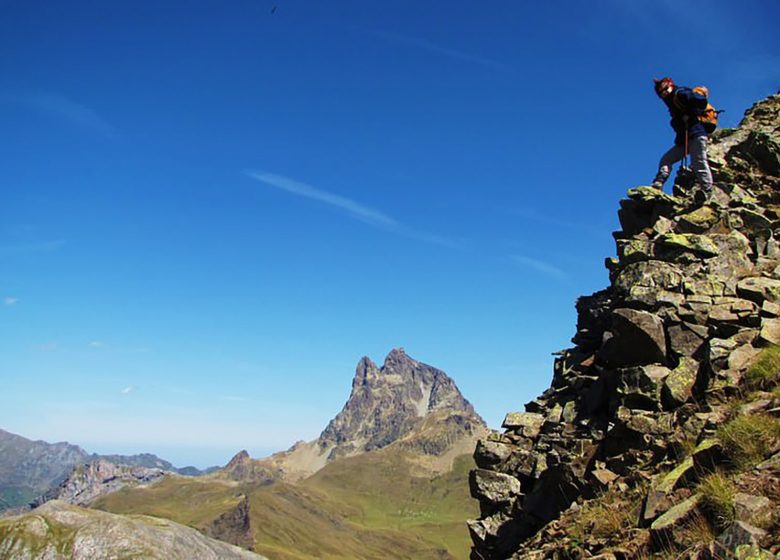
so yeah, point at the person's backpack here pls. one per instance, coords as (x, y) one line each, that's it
(708, 117)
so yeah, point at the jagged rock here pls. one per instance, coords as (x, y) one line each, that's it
(89, 481)
(527, 424)
(490, 453)
(759, 289)
(748, 507)
(638, 339)
(497, 535)
(493, 487)
(752, 552)
(707, 456)
(699, 245)
(686, 339)
(640, 386)
(662, 529)
(555, 490)
(650, 274)
(740, 533)
(234, 526)
(697, 221)
(742, 356)
(770, 331)
(678, 385)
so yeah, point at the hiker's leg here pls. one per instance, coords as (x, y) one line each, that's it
(699, 162)
(672, 156)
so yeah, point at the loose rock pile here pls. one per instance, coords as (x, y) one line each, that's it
(659, 358)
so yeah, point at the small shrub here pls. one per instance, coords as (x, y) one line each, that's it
(764, 373)
(717, 492)
(749, 438)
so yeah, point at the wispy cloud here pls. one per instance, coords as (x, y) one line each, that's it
(540, 266)
(431, 47)
(10, 300)
(96, 344)
(62, 108)
(354, 209)
(127, 390)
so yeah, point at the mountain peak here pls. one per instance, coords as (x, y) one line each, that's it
(388, 402)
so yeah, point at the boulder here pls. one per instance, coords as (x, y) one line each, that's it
(494, 487)
(662, 530)
(679, 384)
(490, 453)
(640, 387)
(759, 289)
(699, 245)
(638, 339)
(770, 332)
(527, 424)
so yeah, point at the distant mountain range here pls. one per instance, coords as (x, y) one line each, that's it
(29, 468)
(388, 477)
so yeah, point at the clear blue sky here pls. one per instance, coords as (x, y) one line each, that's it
(211, 210)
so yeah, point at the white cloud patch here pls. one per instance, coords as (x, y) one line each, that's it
(127, 390)
(540, 266)
(354, 209)
(96, 344)
(10, 300)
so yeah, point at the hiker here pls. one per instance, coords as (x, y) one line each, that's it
(685, 105)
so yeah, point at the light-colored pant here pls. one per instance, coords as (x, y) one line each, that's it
(698, 150)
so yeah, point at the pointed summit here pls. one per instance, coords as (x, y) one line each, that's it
(387, 403)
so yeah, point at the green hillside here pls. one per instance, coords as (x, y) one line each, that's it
(369, 506)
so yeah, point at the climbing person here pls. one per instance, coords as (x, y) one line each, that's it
(686, 106)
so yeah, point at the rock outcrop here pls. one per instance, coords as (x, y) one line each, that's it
(89, 481)
(659, 361)
(60, 531)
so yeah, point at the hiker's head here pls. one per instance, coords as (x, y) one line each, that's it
(664, 86)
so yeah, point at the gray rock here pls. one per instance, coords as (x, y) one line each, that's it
(678, 385)
(638, 339)
(759, 289)
(740, 533)
(493, 487)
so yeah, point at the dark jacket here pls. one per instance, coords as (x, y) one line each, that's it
(684, 102)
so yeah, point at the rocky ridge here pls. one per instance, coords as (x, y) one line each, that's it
(664, 363)
(89, 481)
(59, 531)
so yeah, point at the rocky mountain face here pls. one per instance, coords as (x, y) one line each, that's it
(88, 481)
(386, 404)
(660, 433)
(59, 531)
(30, 469)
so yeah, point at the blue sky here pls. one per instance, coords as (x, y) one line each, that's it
(211, 210)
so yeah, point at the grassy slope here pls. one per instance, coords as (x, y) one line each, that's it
(362, 507)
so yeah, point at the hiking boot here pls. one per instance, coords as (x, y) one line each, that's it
(657, 185)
